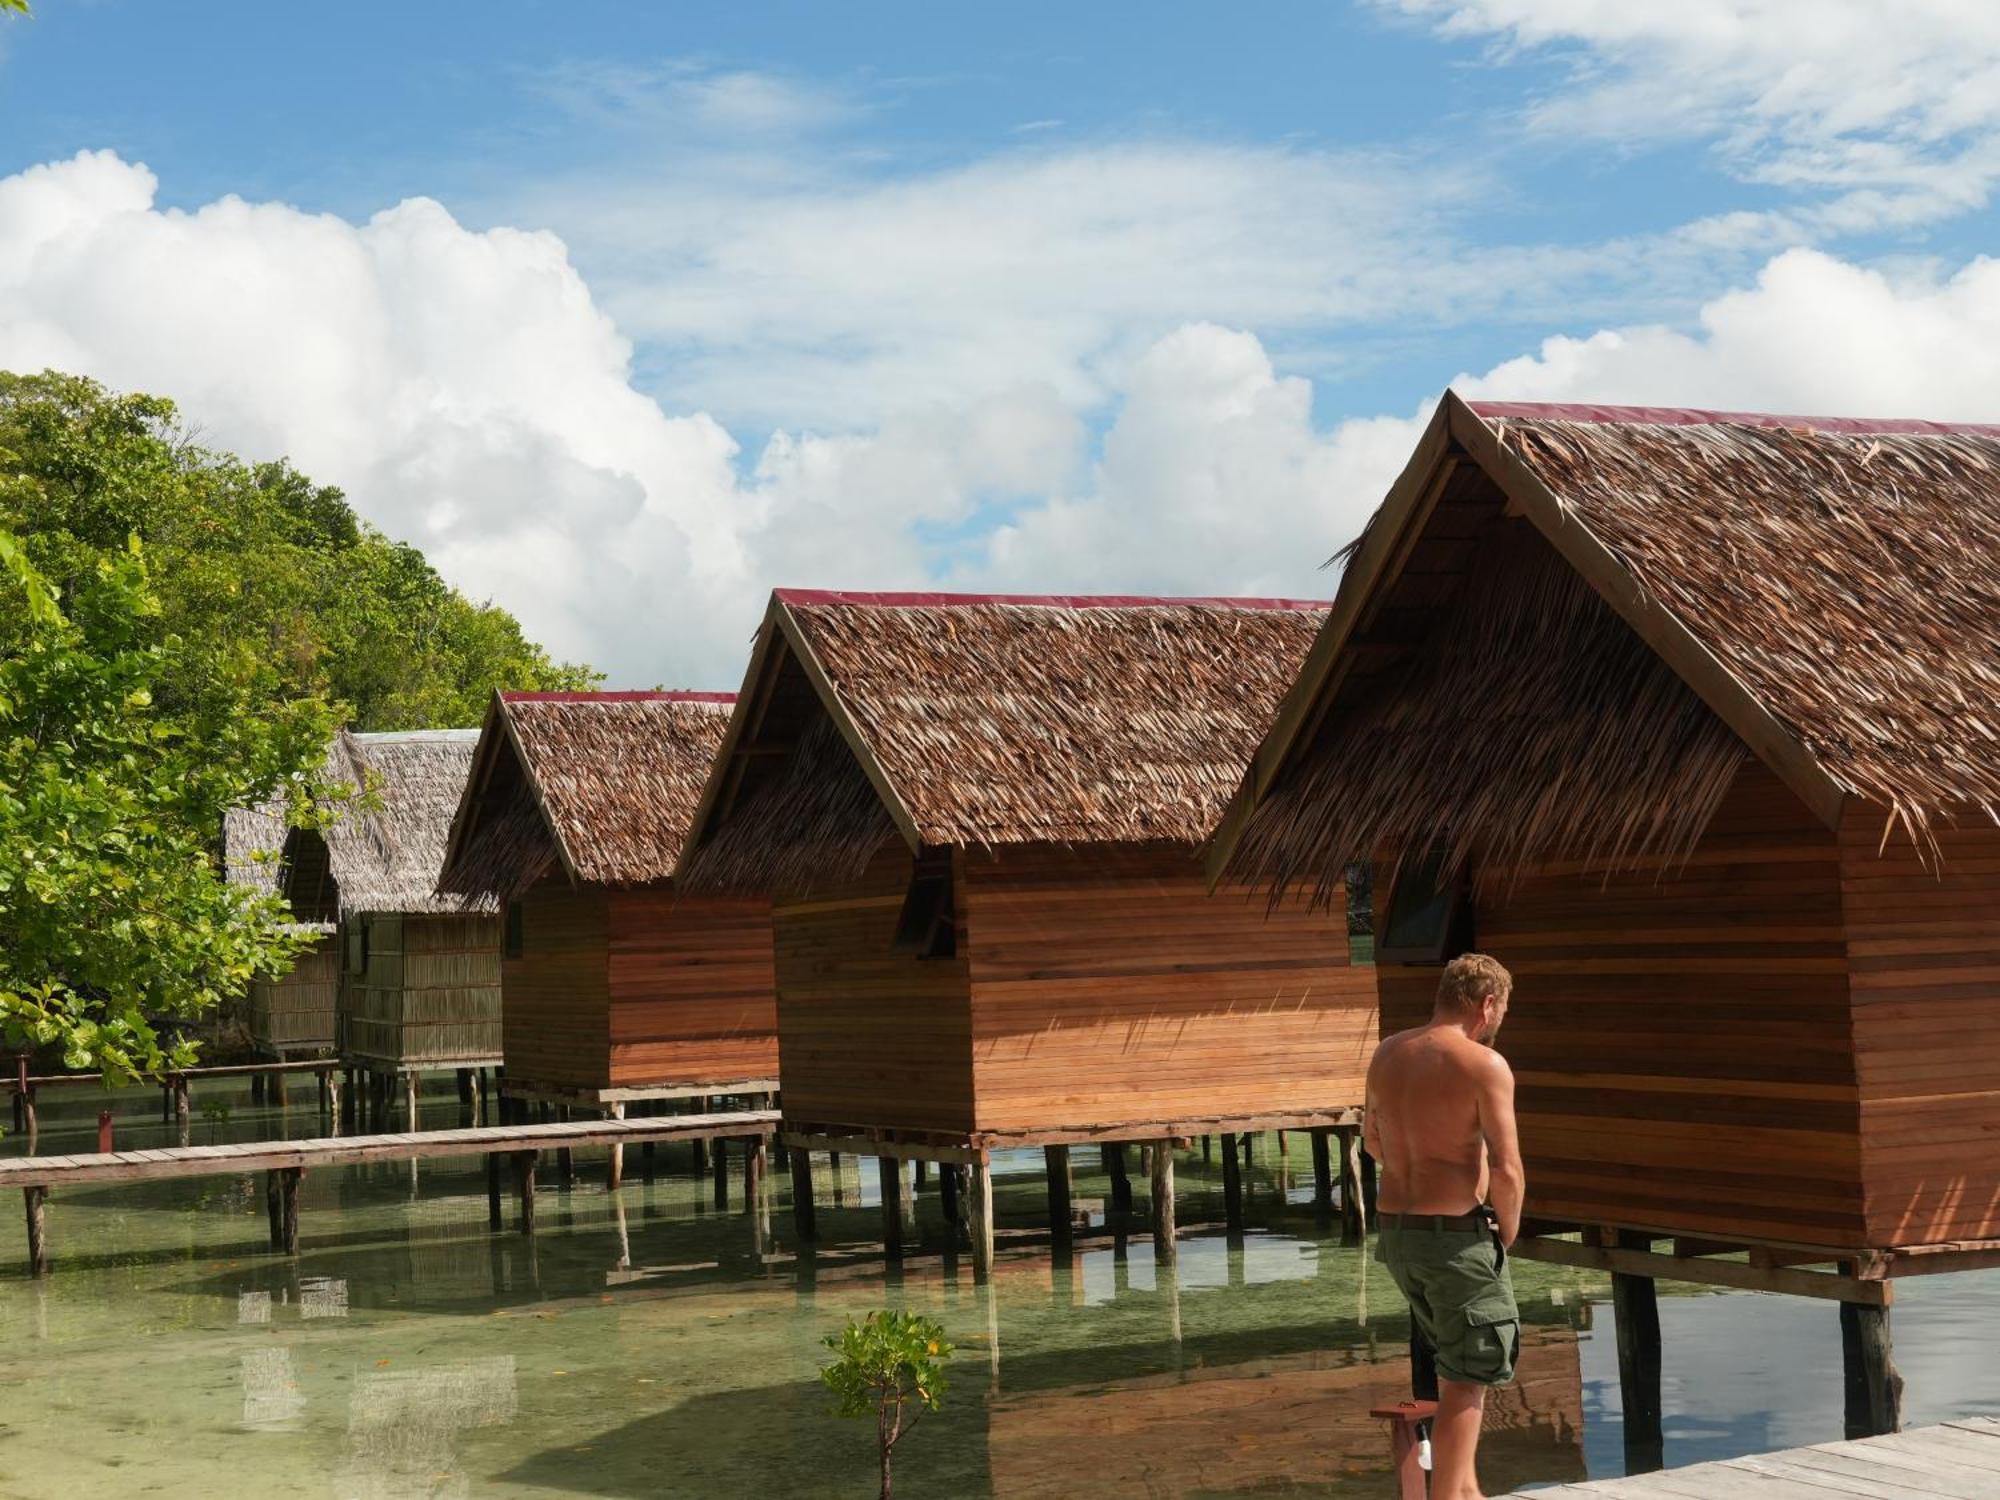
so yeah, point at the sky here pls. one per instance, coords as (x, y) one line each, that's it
(627, 314)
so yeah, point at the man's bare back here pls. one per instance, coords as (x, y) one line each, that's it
(1434, 1095)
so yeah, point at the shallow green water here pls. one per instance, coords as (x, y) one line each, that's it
(650, 1345)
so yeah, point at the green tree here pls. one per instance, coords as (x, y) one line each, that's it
(115, 916)
(889, 1366)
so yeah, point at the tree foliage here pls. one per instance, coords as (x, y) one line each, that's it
(889, 1366)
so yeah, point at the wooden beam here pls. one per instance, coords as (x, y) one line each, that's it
(1821, 1284)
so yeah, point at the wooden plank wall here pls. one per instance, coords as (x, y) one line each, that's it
(1109, 986)
(1682, 1042)
(294, 1012)
(868, 1035)
(1924, 951)
(555, 996)
(430, 992)
(693, 988)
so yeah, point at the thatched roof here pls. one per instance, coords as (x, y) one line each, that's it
(984, 720)
(1546, 628)
(603, 785)
(385, 857)
(253, 846)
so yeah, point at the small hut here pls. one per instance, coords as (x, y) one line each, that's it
(1689, 718)
(419, 971)
(980, 820)
(617, 986)
(288, 1014)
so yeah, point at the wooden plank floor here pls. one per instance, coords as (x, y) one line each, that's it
(260, 1156)
(1952, 1461)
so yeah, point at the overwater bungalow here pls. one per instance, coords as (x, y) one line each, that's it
(290, 1014)
(617, 987)
(419, 970)
(1690, 719)
(980, 819)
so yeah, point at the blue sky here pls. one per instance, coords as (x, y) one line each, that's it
(628, 312)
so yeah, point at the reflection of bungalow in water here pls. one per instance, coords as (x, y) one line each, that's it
(420, 971)
(980, 821)
(617, 986)
(403, 1426)
(1689, 718)
(288, 1014)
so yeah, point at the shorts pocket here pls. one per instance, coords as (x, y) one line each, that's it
(1492, 1338)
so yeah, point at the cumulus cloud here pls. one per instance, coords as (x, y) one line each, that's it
(471, 396)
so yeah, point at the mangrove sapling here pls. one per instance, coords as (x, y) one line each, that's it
(890, 1366)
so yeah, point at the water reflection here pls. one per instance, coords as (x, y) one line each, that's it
(403, 1427)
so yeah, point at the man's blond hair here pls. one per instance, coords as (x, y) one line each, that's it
(1469, 979)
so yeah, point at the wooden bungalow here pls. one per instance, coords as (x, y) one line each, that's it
(1690, 719)
(980, 821)
(617, 987)
(419, 970)
(290, 1014)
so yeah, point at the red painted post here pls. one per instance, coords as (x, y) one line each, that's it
(1403, 1418)
(104, 1131)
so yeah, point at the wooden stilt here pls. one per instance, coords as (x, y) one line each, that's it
(804, 1221)
(493, 1190)
(614, 1171)
(1874, 1388)
(1232, 1188)
(36, 1199)
(647, 1154)
(288, 1208)
(1249, 1148)
(756, 1159)
(1164, 1251)
(1055, 1159)
(524, 1184)
(1207, 1148)
(334, 1102)
(273, 1214)
(410, 1102)
(256, 1090)
(719, 1155)
(31, 1117)
(948, 1176)
(1322, 1154)
(276, 1085)
(1283, 1149)
(979, 1201)
(1353, 1222)
(565, 1158)
(917, 1170)
(1636, 1309)
(1121, 1185)
(892, 1207)
(183, 1112)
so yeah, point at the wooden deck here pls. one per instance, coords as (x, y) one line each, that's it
(1952, 1461)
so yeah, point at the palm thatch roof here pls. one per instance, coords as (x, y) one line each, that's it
(1566, 625)
(602, 785)
(985, 720)
(253, 846)
(383, 851)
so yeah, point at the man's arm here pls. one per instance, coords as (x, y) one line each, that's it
(1503, 1144)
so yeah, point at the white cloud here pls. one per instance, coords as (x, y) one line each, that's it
(1882, 112)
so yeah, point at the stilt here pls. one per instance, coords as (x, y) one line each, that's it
(756, 1158)
(1232, 1189)
(272, 1212)
(719, 1156)
(277, 1086)
(1249, 1148)
(1352, 1221)
(335, 1103)
(31, 1117)
(804, 1221)
(493, 1189)
(1874, 1387)
(1283, 1149)
(410, 1101)
(948, 1199)
(614, 1171)
(1055, 1160)
(1207, 1149)
(892, 1207)
(979, 1200)
(256, 1090)
(1636, 1308)
(183, 1113)
(646, 1156)
(918, 1168)
(524, 1183)
(288, 1208)
(36, 1199)
(166, 1106)
(565, 1158)
(1121, 1185)
(1322, 1172)
(463, 1078)
(1164, 1251)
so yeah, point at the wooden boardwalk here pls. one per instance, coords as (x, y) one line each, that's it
(1952, 1461)
(285, 1162)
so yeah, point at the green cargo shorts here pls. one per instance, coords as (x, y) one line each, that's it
(1461, 1297)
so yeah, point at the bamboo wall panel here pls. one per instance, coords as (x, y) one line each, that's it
(1924, 953)
(429, 994)
(693, 989)
(555, 1024)
(1109, 986)
(869, 1035)
(1681, 1041)
(294, 1012)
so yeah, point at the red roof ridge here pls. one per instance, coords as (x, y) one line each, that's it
(894, 600)
(621, 695)
(1684, 416)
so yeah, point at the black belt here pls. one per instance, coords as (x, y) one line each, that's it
(1439, 1222)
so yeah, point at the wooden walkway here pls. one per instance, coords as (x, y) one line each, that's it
(286, 1162)
(1952, 1461)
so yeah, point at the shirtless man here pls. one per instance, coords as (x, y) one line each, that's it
(1441, 1123)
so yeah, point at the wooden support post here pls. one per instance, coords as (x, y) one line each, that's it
(979, 1200)
(892, 1207)
(524, 1184)
(166, 1106)
(1353, 1221)
(1164, 1251)
(917, 1170)
(31, 1116)
(1055, 1159)
(1405, 1421)
(756, 1158)
(1121, 1184)
(614, 1171)
(1874, 1388)
(277, 1085)
(256, 1090)
(1636, 1309)
(273, 1214)
(493, 1190)
(948, 1175)
(804, 1222)
(647, 1153)
(106, 1138)
(36, 1199)
(335, 1103)
(1207, 1149)
(1322, 1154)
(719, 1155)
(1249, 1148)
(183, 1111)
(1283, 1149)
(410, 1101)
(288, 1208)
(565, 1158)
(1232, 1188)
